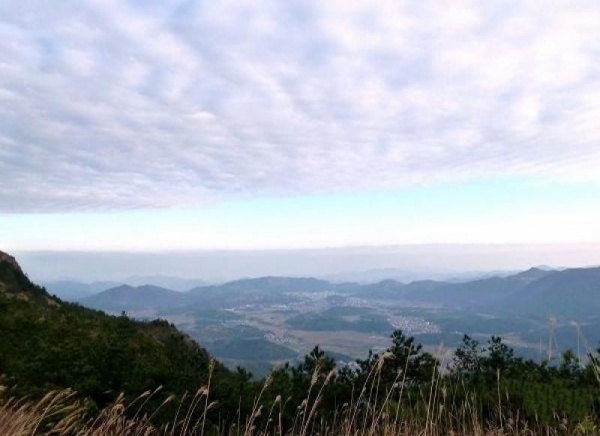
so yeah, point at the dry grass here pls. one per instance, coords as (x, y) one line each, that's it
(59, 413)
(371, 413)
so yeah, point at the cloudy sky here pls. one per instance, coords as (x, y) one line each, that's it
(200, 125)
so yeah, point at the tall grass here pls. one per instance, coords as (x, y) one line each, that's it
(437, 412)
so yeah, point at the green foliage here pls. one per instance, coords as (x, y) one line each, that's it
(540, 392)
(47, 344)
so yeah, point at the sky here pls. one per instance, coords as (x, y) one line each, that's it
(181, 126)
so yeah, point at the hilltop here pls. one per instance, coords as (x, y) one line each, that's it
(137, 298)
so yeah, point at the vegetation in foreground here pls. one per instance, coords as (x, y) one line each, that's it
(147, 378)
(400, 392)
(485, 390)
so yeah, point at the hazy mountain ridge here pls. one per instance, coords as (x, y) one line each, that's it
(75, 290)
(376, 275)
(292, 312)
(478, 293)
(533, 274)
(269, 283)
(389, 287)
(573, 293)
(181, 284)
(537, 291)
(126, 297)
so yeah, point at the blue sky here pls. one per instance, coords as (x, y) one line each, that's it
(191, 125)
(481, 212)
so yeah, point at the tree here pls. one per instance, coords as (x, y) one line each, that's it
(403, 362)
(500, 357)
(467, 359)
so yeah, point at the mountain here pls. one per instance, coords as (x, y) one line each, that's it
(571, 293)
(148, 298)
(478, 293)
(483, 293)
(374, 276)
(385, 289)
(46, 343)
(262, 290)
(423, 286)
(169, 282)
(275, 284)
(532, 274)
(73, 290)
(134, 299)
(535, 291)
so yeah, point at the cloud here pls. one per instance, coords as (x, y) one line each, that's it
(112, 105)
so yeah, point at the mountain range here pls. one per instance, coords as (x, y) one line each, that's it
(73, 290)
(535, 292)
(264, 290)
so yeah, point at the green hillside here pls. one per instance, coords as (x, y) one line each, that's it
(48, 344)
(570, 294)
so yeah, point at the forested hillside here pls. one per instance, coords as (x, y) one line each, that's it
(48, 344)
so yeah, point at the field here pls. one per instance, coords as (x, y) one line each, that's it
(260, 336)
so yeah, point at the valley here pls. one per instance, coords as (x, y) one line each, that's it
(264, 322)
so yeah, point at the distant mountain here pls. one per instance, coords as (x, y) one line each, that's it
(385, 289)
(483, 293)
(572, 293)
(262, 290)
(374, 276)
(73, 290)
(276, 284)
(535, 292)
(134, 299)
(532, 274)
(169, 282)
(463, 295)
(423, 287)
(539, 292)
